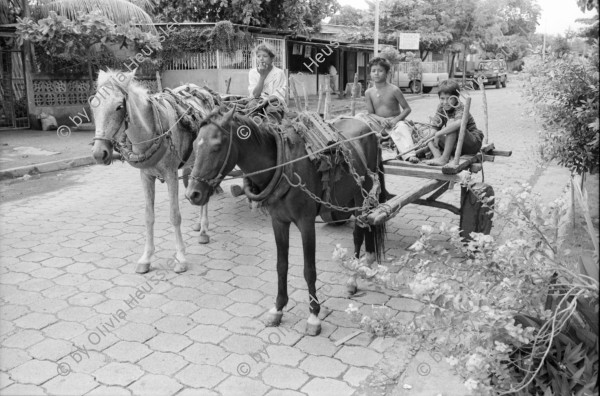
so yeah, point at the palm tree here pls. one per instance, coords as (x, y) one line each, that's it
(119, 11)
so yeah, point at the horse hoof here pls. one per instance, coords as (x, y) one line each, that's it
(196, 227)
(274, 318)
(313, 326)
(180, 267)
(203, 239)
(142, 268)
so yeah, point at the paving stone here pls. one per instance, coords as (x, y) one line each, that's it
(245, 365)
(64, 329)
(23, 297)
(5, 380)
(24, 390)
(118, 374)
(34, 372)
(12, 358)
(60, 292)
(183, 294)
(183, 308)
(50, 349)
(358, 356)
(245, 295)
(86, 299)
(327, 387)
(204, 354)
(23, 339)
(201, 376)
(218, 275)
(208, 333)
(175, 324)
(104, 390)
(284, 355)
(135, 332)
(35, 321)
(127, 351)
(212, 301)
(12, 311)
(381, 344)
(239, 386)
(405, 304)
(284, 392)
(248, 282)
(210, 316)
(280, 335)
(244, 309)
(317, 346)
(73, 384)
(363, 339)
(48, 306)
(35, 284)
(356, 375)
(243, 344)
(197, 392)
(95, 286)
(323, 366)
(162, 363)
(159, 385)
(284, 377)
(169, 342)
(144, 315)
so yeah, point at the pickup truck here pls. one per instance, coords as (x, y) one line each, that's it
(430, 77)
(494, 70)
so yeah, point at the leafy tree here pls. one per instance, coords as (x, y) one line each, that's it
(347, 16)
(299, 15)
(85, 39)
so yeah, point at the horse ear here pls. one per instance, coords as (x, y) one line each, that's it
(228, 116)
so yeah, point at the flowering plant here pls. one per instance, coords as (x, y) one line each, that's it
(513, 317)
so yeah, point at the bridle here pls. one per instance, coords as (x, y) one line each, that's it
(215, 181)
(125, 119)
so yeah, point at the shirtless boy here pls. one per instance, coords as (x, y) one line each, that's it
(387, 107)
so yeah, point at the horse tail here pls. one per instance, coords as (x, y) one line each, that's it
(379, 231)
(379, 235)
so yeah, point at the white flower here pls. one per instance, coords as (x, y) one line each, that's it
(417, 246)
(471, 384)
(474, 362)
(452, 361)
(351, 309)
(426, 229)
(501, 347)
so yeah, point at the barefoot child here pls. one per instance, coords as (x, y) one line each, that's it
(387, 108)
(449, 115)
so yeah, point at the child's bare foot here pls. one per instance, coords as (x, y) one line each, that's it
(440, 161)
(413, 160)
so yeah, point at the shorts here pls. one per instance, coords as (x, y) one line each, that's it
(472, 143)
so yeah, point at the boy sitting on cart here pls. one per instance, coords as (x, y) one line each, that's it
(448, 116)
(387, 108)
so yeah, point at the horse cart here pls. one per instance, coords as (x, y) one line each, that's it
(475, 198)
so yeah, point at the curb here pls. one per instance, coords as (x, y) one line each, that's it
(46, 167)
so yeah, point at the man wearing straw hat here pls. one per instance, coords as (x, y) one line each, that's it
(267, 88)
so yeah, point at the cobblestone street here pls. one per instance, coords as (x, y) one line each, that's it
(77, 320)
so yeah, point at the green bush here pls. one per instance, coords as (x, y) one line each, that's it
(564, 93)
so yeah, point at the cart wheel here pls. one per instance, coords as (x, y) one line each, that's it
(474, 216)
(335, 218)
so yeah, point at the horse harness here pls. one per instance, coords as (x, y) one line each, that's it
(186, 117)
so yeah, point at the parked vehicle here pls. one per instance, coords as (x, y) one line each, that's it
(430, 77)
(494, 71)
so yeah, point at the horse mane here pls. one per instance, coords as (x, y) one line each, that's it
(259, 134)
(112, 76)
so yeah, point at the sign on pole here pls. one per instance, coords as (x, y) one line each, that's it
(409, 41)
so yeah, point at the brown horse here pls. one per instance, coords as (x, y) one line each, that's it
(155, 142)
(229, 139)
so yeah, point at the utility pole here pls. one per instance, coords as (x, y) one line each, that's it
(544, 47)
(376, 46)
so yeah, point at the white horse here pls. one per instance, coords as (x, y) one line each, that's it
(158, 137)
